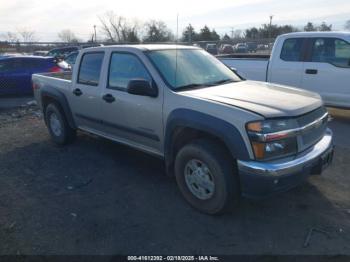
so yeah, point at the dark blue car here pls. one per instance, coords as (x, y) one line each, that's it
(16, 72)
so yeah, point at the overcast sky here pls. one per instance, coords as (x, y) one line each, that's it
(49, 17)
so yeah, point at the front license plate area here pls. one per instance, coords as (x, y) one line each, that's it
(327, 158)
(324, 161)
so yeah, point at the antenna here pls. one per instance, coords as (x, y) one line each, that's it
(177, 39)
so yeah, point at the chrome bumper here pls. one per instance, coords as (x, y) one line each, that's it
(283, 167)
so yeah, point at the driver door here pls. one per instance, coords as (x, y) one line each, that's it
(133, 119)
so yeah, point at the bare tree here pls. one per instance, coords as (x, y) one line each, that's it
(347, 25)
(10, 37)
(118, 29)
(26, 35)
(68, 36)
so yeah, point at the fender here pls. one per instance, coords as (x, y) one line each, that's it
(53, 93)
(228, 133)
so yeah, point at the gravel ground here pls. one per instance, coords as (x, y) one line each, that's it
(98, 197)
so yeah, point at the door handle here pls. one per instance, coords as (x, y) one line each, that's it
(77, 92)
(311, 71)
(108, 98)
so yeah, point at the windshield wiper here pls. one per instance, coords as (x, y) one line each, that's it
(220, 82)
(190, 86)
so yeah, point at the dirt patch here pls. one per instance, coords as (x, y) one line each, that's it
(97, 197)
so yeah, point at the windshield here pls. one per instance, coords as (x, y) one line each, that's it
(195, 68)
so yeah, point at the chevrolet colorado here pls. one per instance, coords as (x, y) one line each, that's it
(220, 136)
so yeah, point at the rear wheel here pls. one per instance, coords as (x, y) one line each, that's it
(59, 129)
(206, 177)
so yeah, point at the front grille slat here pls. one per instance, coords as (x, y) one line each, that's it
(313, 135)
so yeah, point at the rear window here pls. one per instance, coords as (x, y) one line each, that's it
(90, 68)
(291, 50)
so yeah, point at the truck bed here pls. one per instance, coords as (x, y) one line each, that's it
(61, 81)
(60, 75)
(252, 68)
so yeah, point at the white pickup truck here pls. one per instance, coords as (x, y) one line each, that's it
(316, 61)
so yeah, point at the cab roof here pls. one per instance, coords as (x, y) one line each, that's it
(336, 34)
(146, 47)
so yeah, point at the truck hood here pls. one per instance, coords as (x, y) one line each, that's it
(269, 100)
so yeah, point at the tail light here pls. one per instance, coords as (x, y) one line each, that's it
(35, 86)
(55, 69)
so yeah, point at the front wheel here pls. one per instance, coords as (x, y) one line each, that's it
(207, 177)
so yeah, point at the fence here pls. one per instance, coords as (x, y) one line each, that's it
(260, 45)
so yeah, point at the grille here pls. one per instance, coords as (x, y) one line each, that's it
(313, 135)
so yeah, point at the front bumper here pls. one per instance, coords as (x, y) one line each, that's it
(261, 179)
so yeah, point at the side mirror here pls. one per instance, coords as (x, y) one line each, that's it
(142, 87)
(234, 70)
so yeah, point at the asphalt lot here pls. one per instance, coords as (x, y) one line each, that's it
(98, 197)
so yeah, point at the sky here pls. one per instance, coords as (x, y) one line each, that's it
(49, 17)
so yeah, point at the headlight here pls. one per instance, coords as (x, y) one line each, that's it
(273, 139)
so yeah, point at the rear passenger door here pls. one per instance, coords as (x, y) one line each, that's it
(287, 68)
(327, 70)
(133, 119)
(85, 96)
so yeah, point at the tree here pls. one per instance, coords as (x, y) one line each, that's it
(26, 35)
(322, 27)
(214, 35)
(205, 34)
(226, 38)
(189, 34)
(252, 33)
(117, 28)
(67, 36)
(310, 27)
(157, 31)
(10, 37)
(325, 27)
(267, 31)
(347, 25)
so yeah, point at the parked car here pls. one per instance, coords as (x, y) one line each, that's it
(70, 59)
(62, 52)
(241, 48)
(40, 53)
(315, 61)
(227, 49)
(212, 49)
(252, 47)
(221, 136)
(16, 72)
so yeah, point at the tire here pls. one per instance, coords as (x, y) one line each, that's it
(221, 183)
(60, 131)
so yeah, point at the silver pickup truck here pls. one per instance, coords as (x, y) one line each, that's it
(220, 136)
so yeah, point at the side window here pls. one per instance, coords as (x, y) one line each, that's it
(331, 50)
(291, 50)
(90, 68)
(123, 68)
(5, 66)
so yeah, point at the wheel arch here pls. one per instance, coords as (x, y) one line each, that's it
(184, 125)
(49, 95)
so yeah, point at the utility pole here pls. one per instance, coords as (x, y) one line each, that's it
(232, 32)
(95, 33)
(270, 27)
